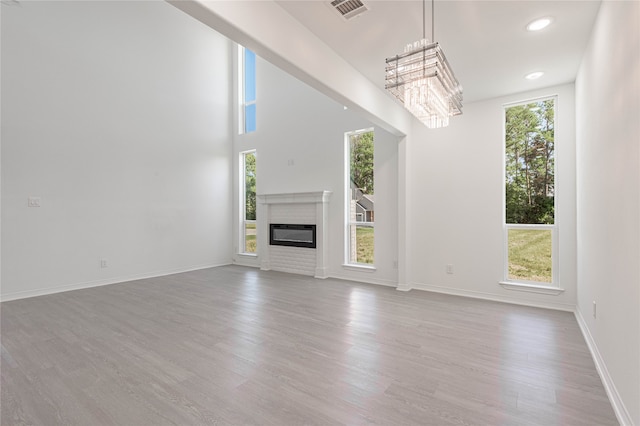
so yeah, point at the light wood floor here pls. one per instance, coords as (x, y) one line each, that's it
(235, 345)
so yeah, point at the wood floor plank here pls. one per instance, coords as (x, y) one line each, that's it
(235, 346)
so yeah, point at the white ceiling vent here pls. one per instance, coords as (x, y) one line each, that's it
(349, 8)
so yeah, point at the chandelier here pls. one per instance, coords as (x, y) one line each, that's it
(422, 79)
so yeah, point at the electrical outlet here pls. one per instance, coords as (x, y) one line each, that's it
(449, 268)
(104, 263)
(594, 308)
(34, 201)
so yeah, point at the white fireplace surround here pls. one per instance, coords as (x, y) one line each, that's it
(306, 208)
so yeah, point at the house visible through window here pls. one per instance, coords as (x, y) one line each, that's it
(360, 206)
(247, 90)
(248, 229)
(530, 226)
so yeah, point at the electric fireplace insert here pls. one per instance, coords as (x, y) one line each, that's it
(292, 235)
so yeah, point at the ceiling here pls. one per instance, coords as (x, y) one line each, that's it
(486, 42)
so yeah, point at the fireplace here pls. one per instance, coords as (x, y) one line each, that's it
(292, 235)
(301, 220)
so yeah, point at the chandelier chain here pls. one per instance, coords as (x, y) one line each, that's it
(433, 22)
(423, 19)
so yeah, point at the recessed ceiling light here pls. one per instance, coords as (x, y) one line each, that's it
(534, 75)
(539, 24)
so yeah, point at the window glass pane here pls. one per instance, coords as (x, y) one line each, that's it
(530, 161)
(361, 159)
(250, 118)
(249, 76)
(361, 213)
(250, 238)
(362, 238)
(248, 195)
(250, 185)
(247, 91)
(530, 255)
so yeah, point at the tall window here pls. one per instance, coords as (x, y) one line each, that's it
(248, 204)
(360, 197)
(247, 90)
(530, 228)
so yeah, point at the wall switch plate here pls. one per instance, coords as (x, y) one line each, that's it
(34, 202)
(104, 263)
(449, 268)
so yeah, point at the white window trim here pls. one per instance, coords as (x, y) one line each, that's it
(552, 288)
(369, 267)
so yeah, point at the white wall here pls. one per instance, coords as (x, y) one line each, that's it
(116, 114)
(608, 195)
(457, 207)
(296, 122)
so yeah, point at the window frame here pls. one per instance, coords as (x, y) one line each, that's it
(347, 210)
(243, 222)
(243, 103)
(554, 286)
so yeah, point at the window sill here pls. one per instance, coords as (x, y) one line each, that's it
(359, 268)
(248, 254)
(531, 288)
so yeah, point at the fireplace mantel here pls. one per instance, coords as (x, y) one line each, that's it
(295, 197)
(316, 206)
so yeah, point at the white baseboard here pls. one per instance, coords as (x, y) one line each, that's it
(403, 287)
(295, 271)
(321, 273)
(244, 260)
(614, 397)
(366, 279)
(97, 283)
(493, 297)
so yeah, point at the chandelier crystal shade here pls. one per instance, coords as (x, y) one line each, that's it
(422, 79)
